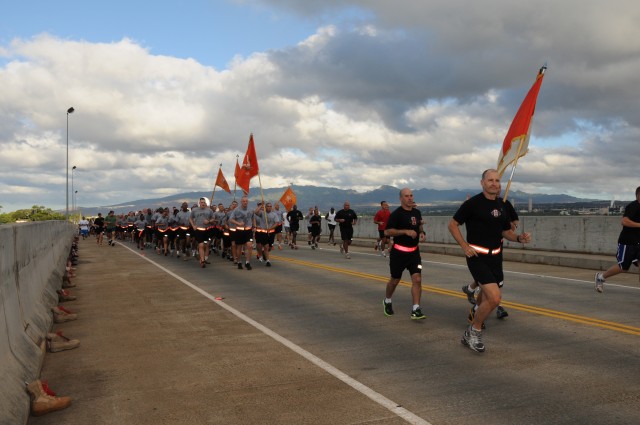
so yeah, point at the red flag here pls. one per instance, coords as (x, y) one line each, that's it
(222, 182)
(241, 179)
(516, 143)
(250, 162)
(288, 199)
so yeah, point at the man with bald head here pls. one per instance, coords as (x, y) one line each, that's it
(346, 218)
(405, 226)
(487, 223)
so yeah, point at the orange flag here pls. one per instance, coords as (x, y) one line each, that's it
(241, 179)
(222, 182)
(250, 162)
(288, 199)
(516, 143)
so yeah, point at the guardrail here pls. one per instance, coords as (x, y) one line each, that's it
(32, 263)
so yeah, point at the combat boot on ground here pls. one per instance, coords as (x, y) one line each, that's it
(57, 342)
(43, 402)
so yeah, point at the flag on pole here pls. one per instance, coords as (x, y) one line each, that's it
(222, 182)
(249, 168)
(250, 162)
(288, 199)
(240, 178)
(516, 143)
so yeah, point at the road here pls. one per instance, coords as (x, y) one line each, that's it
(565, 354)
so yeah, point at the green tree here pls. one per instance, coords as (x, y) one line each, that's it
(36, 213)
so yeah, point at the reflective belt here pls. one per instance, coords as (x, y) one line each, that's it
(486, 251)
(184, 228)
(240, 228)
(405, 248)
(201, 228)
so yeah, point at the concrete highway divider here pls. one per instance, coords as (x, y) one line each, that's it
(32, 263)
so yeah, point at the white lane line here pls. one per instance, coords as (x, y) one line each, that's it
(356, 385)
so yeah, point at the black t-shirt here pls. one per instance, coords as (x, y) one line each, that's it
(99, 222)
(402, 219)
(315, 221)
(349, 217)
(631, 235)
(485, 220)
(510, 211)
(294, 216)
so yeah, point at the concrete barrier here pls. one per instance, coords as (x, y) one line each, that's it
(577, 234)
(32, 263)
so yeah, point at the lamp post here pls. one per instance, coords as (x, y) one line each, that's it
(75, 202)
(69, 111)
(73, 198)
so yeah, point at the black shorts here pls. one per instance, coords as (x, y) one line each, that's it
(628, 254)
(315, 231)
(486, 269)
(294, 227)
(244, 236)
(262, 238)
(346, 233)
(400, 261)
(202, 235)
(278, 228)
(381, 234)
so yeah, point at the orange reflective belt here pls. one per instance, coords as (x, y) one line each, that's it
(184, 228)
(486, 251)
(405, 248)
(201, 228)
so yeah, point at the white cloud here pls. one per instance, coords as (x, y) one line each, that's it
(417, 94)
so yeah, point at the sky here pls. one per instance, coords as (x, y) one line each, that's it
(353, 94)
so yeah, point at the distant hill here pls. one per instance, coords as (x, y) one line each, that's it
(327, 197)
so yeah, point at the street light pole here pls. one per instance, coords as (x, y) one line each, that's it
(69, 111)
(73, 196)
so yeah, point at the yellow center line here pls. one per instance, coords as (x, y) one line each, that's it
(619, 327)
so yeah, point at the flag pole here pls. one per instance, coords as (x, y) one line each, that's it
(513, 170)
(235, 180)
(214, 185)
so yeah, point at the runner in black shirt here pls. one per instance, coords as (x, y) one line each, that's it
(405, 226)
(486, 224)
(628, 243)
(346, 218)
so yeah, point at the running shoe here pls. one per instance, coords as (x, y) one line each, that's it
(388, 308)
(473, 339)
(341, 249)
(599, 280)
(470, 294)
(268, 263)
(417, 314)
(247, 265)
(239, 266)
(347, 256)
(501, 312)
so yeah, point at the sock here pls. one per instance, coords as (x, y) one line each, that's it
(415, 307)
(387, 300)
(469, 288)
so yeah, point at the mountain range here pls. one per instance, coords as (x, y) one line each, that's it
(327, 197)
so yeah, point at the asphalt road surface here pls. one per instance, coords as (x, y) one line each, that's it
(564, 355)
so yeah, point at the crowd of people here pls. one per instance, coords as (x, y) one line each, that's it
(231, 232)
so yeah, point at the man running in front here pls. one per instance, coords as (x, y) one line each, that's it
(405, 226)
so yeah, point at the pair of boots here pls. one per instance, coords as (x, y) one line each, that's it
(61, 314)
(43, 400)
(57, 342)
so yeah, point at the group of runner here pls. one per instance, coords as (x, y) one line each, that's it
(231, 231)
